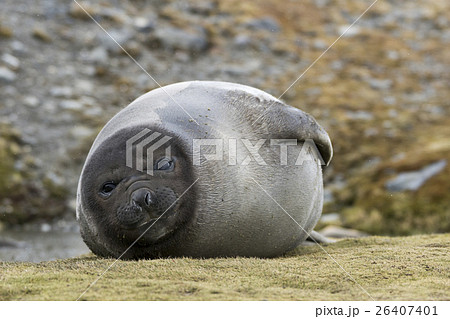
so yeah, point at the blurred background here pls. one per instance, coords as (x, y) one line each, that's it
(382, 93)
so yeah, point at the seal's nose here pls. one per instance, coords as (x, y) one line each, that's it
(143, 197)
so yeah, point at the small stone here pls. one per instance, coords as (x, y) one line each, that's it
(8, 242)
(392, 55)
(266, 23)
(414, 180)
(81, 132)
(71, 105)
(319, 44)
(41, 35)
(392, 113)
(182, 56)
(202, 7)
(359, 115)
(6, 75)
(321, 3)
(330, 218)
(398, 157)
(114, 14)
(326, 78)
(18, 48)
(380, 84)
(93, 111)
(84, 86)
(242, 41)
(146, 24)
(114, 37)
(351, 32)
(97, 55)
(78, 12)
(314, 91)
(435, 109)
(372, 131)
(45, 228)
(31, 101)
(371, 162)
(340, 232)
(337, 65)
(327, 196)
(194, 40)
(61, 91)
(390, 100)
(85, 10)
(11, 61)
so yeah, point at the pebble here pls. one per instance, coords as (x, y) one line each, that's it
(84, 86)
(31, 101)
(93, 111)
(174, 38)
(18, 48)
(121, 36)
(80, 132)
(341, 232)
(145, 24)
(45, 228)
(354, 30)
(11, 61)
(41, 35)
(414, 180)
(327, 196)
(242, 41)
(378, 84)
(6, 75)
(70, 105)
(359, 115)
(61, 91)
(372, 131)
(98, 55)
(330, 218)
(10, 243)
(202, 7)
(265, 24)
(319, 44)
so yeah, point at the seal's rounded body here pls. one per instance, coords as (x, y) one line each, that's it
(217, 184)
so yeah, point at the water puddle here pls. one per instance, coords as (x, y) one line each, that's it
(36, 246)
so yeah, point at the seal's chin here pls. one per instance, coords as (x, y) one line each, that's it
(144, 221)
(153, 230)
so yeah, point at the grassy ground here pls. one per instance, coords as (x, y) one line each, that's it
(400, 268)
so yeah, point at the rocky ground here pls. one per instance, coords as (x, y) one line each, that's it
(381, 92)
(401, 268)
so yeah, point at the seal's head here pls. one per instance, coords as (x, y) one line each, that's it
(130, 181)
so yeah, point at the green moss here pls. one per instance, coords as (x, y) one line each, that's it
(398, 214)
(407, 268)
(25, 196)
(372, 208)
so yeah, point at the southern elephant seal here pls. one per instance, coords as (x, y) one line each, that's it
(202, 169)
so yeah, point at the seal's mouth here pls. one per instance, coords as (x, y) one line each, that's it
(145, 205)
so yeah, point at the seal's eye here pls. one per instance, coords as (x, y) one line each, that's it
(164, 164)
(108, 187)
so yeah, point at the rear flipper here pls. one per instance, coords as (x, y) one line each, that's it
(317, 238)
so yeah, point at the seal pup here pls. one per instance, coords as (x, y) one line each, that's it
(202, 169)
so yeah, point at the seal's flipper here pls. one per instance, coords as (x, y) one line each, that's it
(316, 237)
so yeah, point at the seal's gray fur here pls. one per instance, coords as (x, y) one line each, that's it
(229, 214)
